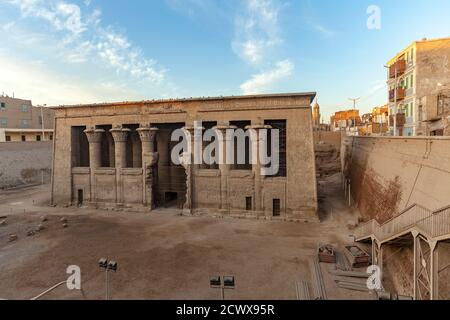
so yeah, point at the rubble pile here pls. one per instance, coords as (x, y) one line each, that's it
(328, 160)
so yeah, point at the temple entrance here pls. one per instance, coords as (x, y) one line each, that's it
(171, 182)
(80, 198)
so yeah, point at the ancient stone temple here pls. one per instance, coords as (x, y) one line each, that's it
(118, 155)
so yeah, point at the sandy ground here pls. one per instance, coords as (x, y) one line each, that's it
(163, 255)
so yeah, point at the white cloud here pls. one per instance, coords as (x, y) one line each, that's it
(256, 30)
(82, 39)
(257, 38)
(8, 26)
(263, 81)
(26, 79)
(323, 30)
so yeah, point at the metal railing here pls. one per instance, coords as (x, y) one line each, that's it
(433, 224)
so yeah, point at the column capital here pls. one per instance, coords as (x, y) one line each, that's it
(147, 134)
(94, 135)
(258, 127)
(120, 134)
(225, 127)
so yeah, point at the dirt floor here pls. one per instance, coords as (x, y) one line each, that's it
(163, 255)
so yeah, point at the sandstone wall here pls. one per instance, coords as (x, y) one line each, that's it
(22, 163)
(333, 138)
(388, 174)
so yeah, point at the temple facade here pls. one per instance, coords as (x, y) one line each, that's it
(118, 155)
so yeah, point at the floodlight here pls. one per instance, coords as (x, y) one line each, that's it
(215, 281)
(103, 263)
(112, 265)
(228, 282)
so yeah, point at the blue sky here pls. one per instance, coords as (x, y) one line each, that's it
(66, 51)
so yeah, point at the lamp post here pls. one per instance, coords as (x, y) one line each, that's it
(42, 121)
(103, 263)
(215, 282)
(354, 109)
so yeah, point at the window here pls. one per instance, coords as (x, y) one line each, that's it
(8, 138)
(276, 207)
(3, 123)
(51, 137)
(24, 124)
(412, 81)
(2, 106)
(25, 108)
(24, 138)
(281, 126)
(420, 113)
(245, 145)
(205, 165)
(40, 120)
(248, 203)
(38, 138)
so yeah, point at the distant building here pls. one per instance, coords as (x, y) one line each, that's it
(348, 120)
(20, 121)
(415, 73)
(434, 114)
(376, 122)
(316, 116)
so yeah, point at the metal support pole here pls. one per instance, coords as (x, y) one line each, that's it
(107, 286)
(416, 265)
(374, 252)
(380, 262)
(434, 266)
(345, 189)
(349, 193)
(223, 292)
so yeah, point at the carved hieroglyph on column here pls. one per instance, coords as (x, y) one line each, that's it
(120, 136)
(150, 160)
(187, 161)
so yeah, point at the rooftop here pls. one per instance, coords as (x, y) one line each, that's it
(311, 95)
(412, 44)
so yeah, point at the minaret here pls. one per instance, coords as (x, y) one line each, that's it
(316, 115)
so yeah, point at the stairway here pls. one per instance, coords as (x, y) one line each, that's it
(421, 227)
(433, 225)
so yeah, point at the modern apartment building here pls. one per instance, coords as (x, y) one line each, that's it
(417, 71)
(20, 121)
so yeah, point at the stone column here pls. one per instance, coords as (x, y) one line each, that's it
(224, 167)
(120, 136)
(150, 159)
(256, 139)
(187, 161)
(94, 137)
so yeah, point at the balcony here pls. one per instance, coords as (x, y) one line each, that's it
(399, 66)
(401, 120)
(401, 94)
